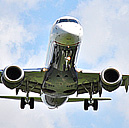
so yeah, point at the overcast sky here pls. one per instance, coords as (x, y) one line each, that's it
(24, 35)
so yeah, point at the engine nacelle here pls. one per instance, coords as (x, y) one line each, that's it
(111, 79)
(12, 76)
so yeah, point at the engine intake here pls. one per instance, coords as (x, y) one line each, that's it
(12, 76)
(111, 79)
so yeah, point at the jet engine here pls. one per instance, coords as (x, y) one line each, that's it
(12, 76)
(111, 79)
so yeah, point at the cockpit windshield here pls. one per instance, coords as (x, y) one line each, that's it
(72, 20)
(66, 20)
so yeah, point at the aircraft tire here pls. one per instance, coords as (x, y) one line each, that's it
(86, 104)
(23, 103)
(31, 103)
(95, 105)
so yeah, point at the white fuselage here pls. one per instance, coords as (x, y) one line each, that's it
(61, 79)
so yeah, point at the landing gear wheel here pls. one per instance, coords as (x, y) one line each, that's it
(86, 104)
(95, 105)
(31, 103)
(23, 103)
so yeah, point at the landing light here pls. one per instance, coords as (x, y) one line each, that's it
(69, 58)
(78, 70)
(44, 69)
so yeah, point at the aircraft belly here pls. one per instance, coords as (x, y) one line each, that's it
(59, 83)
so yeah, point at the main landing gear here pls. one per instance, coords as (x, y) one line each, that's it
(93, 104)
(91, 101)
(29, 102)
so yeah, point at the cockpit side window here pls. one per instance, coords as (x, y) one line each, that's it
(66, 20)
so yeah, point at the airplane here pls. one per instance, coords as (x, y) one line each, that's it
(61, 79)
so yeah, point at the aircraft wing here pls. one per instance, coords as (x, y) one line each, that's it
(35, 78)
(86, 79)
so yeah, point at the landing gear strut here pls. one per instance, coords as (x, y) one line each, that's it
(26, 100)
(92, 102)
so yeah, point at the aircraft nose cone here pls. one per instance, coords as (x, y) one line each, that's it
(69, 34)
(72, 28)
